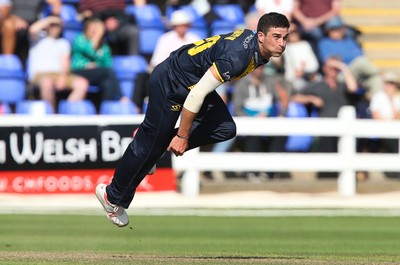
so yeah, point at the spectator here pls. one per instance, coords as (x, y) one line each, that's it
(280, 6)
(255, 96)
(122, 33)
(328, 96)
(202, 7)
(5, 8)
(167, 43)
(385, 105)
(338, 44)
(300, 62)
(170, 41)
(92, 59)
(49, 62)
(15, 26)
(311, 16)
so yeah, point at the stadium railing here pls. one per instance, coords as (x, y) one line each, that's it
(346, 161)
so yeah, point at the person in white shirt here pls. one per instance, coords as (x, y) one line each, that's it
(170, 41)
(49, 62)
(385, 105)
(300, 62)
(180, 35)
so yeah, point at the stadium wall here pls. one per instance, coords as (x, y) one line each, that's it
(58, 154)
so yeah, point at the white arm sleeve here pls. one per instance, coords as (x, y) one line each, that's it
(196, 96)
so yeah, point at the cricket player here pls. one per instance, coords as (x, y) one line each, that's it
(184, 86)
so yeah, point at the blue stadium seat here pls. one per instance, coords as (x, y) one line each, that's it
(202, 33)
(73, 2)
(147, 16)
(148, 39)
(197, 20)
(151, 26)
(69, 13)
(12, 79)
(231, 16)
(82, 107)
(72, 25)
(222, 30)
(116, 107)
(298, 143)
(34, 107)
(126, 68)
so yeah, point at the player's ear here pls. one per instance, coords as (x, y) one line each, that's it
(260, 36)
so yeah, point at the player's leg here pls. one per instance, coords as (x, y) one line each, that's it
(213, 123)
(150, 142)
(153, 169)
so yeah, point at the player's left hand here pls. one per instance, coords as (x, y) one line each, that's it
(178, 146)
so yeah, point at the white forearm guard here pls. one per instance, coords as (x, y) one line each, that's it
(196, 96)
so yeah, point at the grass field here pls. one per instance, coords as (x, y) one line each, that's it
(73, 239)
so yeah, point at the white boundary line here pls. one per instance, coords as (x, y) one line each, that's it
(288, 212)
(253, 203)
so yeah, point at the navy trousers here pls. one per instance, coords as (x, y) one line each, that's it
(212, 124)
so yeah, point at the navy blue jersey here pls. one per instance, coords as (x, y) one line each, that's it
(233, 55)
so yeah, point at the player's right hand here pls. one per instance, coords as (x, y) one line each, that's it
(178, 146)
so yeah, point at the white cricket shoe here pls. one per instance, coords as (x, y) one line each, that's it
(116, 214)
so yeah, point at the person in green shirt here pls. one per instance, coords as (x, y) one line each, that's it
(92, 59)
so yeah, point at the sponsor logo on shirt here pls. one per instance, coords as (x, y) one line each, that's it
(247, 41)
(227, 76)
(176, 107)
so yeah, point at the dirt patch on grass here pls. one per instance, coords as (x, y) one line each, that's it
(77, 258)
(110, 258)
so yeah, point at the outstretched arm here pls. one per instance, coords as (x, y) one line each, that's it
(41, 24)
(191, 107)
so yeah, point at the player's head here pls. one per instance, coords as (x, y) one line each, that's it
(272, 32)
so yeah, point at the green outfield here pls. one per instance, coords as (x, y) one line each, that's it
(74, 239)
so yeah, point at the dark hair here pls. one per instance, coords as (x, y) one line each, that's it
(272, 20)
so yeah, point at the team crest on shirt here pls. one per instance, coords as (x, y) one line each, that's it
(176, 107)
(227, 75)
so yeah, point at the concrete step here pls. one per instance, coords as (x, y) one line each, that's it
(370, 3)
(372, 16)
(387, 64)
(379, 22)
(293, 185)
(382, 50)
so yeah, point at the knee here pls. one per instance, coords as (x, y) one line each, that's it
(8, 26)
(46, 83)
(81, 83)
(230, 130)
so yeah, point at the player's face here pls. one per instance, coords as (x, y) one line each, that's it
(273, 43)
